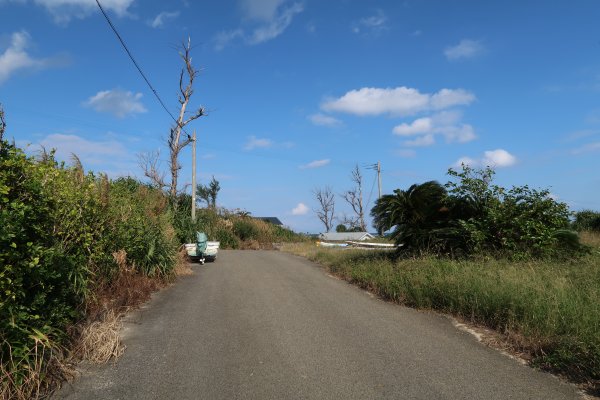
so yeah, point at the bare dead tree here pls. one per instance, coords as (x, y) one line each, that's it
(326, 210)
(175, 141)
(150, 164)
(354, 197)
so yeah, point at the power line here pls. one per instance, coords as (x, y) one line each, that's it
(138, 67)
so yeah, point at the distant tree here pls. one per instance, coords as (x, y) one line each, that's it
(341, 228)
(209, 192)
(326, 210)
(354, 197)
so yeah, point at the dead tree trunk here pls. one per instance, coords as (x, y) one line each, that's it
(326, 211)
(354, 197)
(176, 142)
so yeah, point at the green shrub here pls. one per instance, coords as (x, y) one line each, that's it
(471, 215)
(246, 229)
(59, 230)
(587, 220)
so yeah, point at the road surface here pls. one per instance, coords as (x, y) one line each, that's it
(269, 325)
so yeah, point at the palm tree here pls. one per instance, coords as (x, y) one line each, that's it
(416, 214)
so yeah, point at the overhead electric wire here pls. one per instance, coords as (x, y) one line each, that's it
(138, 67)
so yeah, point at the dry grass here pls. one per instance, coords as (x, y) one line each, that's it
(590, 238)
(182, 264)
(37, 378)
(100, 340)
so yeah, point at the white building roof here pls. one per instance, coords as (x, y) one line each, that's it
(343, 236)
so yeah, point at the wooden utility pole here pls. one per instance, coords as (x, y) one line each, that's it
(379, 177)
(194, 177)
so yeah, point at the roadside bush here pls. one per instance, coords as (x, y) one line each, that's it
(587, 220)
(59, 230)
(470, 215)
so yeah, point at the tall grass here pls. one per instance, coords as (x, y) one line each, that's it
(547, 308)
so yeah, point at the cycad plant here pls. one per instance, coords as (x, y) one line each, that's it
(418, 215)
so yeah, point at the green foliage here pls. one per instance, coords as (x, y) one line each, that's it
(245, 229)
(587, 220)
(59, 229)
(471, 215)
(341, 228)
(209, 192)
(230, 228)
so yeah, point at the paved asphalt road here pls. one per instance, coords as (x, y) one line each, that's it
(268, 325)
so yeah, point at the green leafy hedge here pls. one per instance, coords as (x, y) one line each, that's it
(59, 229)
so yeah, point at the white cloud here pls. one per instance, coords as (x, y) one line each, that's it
(451, 97)
(275, 26)
(109, 155)
(256, 143)
(498, 158)
(269, 17)
(445, 123)
(16, 58)
(375, 23)
(399, 101)
(160, 19)
(420, 141)
(418, 126)
(492, 158)
(300, 209)
(222, 39)
(65, 10)
(465, 49)
(260, 9)
(324, 120)
(118, 102)
(315, 164)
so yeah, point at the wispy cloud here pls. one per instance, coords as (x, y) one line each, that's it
(160, 19)
(64, 11)
(324, 120)
(587, 148)
(399, 101)
(372, 24)
(466, 48)
(275, 26)
(106, 155)
(257, 143)
(315, 164)
(15, 57)
(267, 19)
(498, 158)
(300, 209)
(117, 102)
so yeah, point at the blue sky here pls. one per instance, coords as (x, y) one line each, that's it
(298, 92)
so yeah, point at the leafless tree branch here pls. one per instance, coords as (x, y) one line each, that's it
(326, 210)
(354, 197)
(175, 140)
(150, 164)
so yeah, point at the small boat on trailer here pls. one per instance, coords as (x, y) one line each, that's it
(203, 250)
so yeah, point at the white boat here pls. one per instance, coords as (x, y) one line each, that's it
(202, 250)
